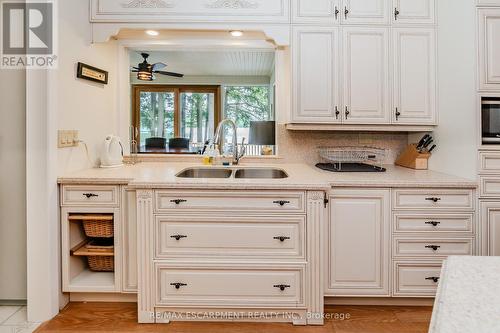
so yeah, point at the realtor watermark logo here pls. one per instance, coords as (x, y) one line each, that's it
(28, 34)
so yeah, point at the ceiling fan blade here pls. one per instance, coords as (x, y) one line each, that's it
(137, 68)
(134, 70)
(169, 73)
(158, 66)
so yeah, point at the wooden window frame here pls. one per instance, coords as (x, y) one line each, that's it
(177, 90)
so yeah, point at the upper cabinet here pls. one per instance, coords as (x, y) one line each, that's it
(414, 12)
(273, 11)
(488, 2)
(489, 49)
(414, 82)
(366, 75)
(316, 11)
(365, 11)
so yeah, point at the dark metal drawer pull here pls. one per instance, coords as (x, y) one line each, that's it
(396, 13)
(281, 238)
(90, 195)
(336, 11)
(433, 278)
(434, 199)
(433, 247)
(282, 286)
(178, 201)
(178, 237)
(178, 285)
(434, 223)
(281, 202)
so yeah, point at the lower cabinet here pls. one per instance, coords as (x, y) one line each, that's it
(416, 278)
(358, 243)
(490, 228)
(129, 241)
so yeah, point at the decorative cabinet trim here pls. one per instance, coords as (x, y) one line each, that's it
(232, 4)
(147, 4)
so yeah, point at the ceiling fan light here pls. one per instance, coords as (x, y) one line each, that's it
(236, 33)
(145, 76)
(152, 32)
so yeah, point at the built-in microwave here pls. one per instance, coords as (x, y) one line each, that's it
(490, 120)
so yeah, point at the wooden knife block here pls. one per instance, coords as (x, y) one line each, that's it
(413, 159)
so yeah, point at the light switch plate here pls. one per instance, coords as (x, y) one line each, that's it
(67, 138)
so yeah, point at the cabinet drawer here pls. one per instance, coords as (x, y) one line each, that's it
(276, 237)
(229, 285)
(433, 223)
(429, 247)
(489, 187)
(489, 163)
(73, 195)
(433, 199)
(416, 278)
(234, 201)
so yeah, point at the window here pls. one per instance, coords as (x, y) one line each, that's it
(175, 112)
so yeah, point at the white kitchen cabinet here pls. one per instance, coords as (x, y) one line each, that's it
(316, 71)
(489, 49)
(414, 82)
(366, 11)
(358, 243)
(366, 88)
(129, 241)
(488, 2)
(272, 11)
(490, 228)
(414, 11)
(316, 11)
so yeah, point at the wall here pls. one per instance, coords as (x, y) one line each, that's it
(456, 135)
(83, 105)
(13, 185)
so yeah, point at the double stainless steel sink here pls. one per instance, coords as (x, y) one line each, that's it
(241, 173)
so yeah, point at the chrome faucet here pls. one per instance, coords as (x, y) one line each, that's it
(218, 140)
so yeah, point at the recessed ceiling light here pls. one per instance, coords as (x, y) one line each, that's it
(152, 32)
(236, 33)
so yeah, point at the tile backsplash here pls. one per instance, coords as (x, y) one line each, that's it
(302, 146)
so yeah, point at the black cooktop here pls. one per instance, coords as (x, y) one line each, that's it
(349, 167)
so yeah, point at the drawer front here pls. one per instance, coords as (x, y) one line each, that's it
(489, 187)
(410, 247)
(489, 163)
(433, 223)
(229, 285)
(72, 195)
(269, 237)
(416, 278)
(433, 199)
(233, 201)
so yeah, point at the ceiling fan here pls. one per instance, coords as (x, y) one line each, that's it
(145, 71)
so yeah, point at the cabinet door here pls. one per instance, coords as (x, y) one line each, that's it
(316, 75)
(490, 228)
(488, 2)
(316, 11)
(366, 11)
(359, 243)
(489, 49)
(414, 11)
(414, 76)
(366, 76)
(129, 234)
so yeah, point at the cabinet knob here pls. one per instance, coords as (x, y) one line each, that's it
(434, 223)
(281, 202)
(433, 247)
(178, 237)
(282, 287)
(396, 13)
(178, 201)
(90, 195)
(435, 279)
(433, 199)
(281, 238)
(178, 285)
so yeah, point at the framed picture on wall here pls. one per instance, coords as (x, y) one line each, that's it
(91, 73)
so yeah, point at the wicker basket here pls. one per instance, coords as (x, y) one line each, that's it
(95, 227)
(101, 263)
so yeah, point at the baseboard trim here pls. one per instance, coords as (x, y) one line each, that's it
(394, 301)
(102, 297)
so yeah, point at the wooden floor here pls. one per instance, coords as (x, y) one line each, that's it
(122, 317)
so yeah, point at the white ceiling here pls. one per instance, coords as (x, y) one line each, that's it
(212, 62)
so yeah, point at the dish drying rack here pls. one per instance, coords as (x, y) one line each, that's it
(352, 157)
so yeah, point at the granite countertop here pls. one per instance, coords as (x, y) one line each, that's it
(301, 176)
(468, 298)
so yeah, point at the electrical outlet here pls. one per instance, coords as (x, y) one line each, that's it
(67, 139)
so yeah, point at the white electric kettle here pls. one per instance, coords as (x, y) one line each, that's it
(112, 152)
